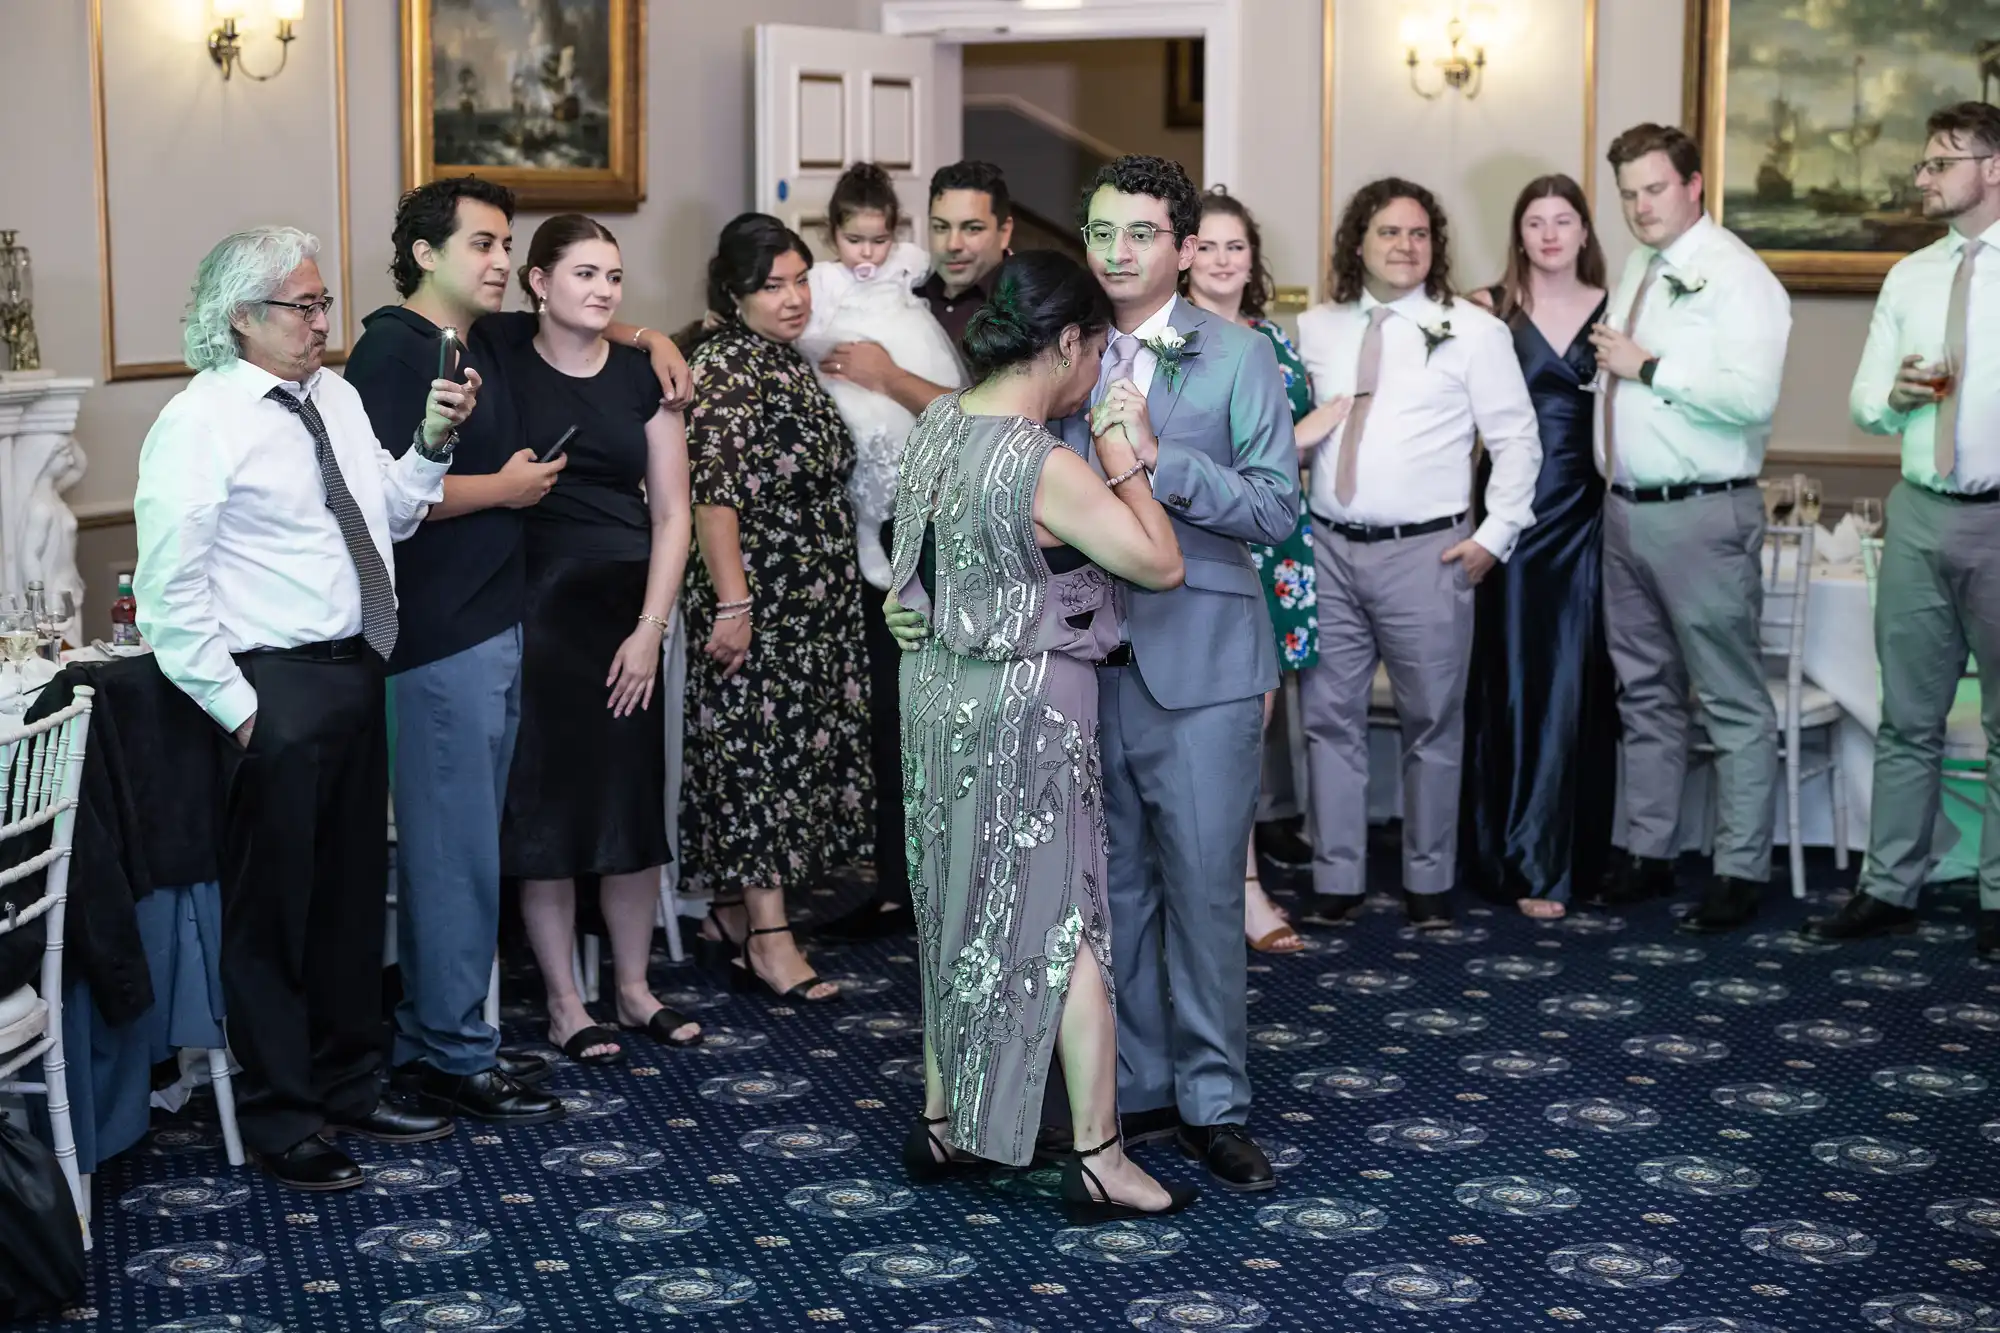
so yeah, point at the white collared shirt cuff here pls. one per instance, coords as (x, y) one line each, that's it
(1498, 536)
(234, 704)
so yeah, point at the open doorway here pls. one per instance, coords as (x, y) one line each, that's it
(1049, 114)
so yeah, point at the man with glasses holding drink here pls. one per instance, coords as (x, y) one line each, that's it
(1931, 373)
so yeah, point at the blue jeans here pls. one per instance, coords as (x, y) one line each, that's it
(455, 724)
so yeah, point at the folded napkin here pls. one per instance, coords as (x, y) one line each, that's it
(1842, 546)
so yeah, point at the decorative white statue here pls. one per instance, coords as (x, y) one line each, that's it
(39, 460)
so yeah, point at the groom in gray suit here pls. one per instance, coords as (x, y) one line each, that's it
(1180, 711)
(1181, 700)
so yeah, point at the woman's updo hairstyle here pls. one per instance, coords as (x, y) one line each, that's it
(1038, 294)
(556, 237)
(749, 245)
(862, 188)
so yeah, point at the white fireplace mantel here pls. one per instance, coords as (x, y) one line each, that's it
(39, 460)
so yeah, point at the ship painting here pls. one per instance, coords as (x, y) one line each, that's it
(1823, 119)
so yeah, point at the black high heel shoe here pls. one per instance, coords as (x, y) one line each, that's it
(720, 951)
(925, 1167)
(1087, 1205)
(743, 977)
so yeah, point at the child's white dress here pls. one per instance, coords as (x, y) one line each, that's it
(879, 307)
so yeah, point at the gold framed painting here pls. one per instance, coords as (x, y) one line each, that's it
(1187, 68)
(546, 97)
(1810, 118)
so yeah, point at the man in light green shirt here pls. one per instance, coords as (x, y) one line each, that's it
(1692, 349)
(1931, 373)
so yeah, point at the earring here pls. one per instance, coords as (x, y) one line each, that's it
(1063, 364)
(541, 304)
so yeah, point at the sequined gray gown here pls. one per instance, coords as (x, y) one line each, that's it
(1002, 790)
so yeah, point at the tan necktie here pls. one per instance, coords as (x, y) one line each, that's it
(1366, 376)
(1611, 389)
(1944, 442)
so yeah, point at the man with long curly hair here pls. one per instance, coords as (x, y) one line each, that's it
(1396, 552)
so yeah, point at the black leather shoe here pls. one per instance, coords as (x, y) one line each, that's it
(390, 1122)
(1861, 917)
(1427, 911)
(522, 1067)
(1281, 842)
(1727, 904)
(1154, 1126)
(1232, 1156)
(311, 1164)
(870, 921)
(490, 1095)
(1989, 934)
(1633, 880)
(1332, 909)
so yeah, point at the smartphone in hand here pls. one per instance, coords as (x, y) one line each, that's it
(448, 353)
(549, 454)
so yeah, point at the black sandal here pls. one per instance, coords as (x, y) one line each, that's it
(1090, 1204)
(720, 951)
(661, 1026)
(743, 977)
(927, 1167)
(594, 1035)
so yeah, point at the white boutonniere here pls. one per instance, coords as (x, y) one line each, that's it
(1677, 286)
(1170, 348)
(1435, 336)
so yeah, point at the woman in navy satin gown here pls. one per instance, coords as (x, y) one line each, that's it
(1541, 721)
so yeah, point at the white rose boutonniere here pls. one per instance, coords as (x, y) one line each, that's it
(1678, 286)
(1170, 348)
(1435, 336)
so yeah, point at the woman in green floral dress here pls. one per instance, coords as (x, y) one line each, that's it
(1229, 278)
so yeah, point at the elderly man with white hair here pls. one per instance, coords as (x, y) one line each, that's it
(266, 509)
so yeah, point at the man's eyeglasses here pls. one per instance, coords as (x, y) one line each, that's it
(1937, 166)
(323, 306)
(1103, 235)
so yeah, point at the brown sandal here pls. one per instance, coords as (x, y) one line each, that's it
(1275, 941)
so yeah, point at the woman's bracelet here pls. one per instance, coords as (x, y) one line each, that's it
(638, 336)
(1126, 475)
(646, 618)
(738, 614)
(736, 605)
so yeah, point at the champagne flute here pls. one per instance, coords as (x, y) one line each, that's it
(17, 645)
(1867, 516)
(1809, 499)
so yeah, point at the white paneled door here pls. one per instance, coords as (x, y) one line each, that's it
(830, 97)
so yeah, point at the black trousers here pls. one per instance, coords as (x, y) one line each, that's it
(305, 865)
(892, 866)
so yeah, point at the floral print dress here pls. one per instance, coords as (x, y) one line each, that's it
(777, 786)
(1288, 567)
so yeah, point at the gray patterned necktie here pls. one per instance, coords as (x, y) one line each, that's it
(378, 590)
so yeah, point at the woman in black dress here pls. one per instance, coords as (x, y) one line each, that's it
(1541, 728)
(606, 550)
(777, 782)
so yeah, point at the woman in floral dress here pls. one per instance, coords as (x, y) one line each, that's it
(1229, 278)
(777, 781)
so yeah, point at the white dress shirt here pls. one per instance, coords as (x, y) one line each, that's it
(1721, 346)
(1909, 321)
(1415, 462)
(237, 549)
(1144, 363)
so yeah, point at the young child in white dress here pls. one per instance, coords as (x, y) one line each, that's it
(867, 295)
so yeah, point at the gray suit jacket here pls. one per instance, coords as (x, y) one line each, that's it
(1228, 474)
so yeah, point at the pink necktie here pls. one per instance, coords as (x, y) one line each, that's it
(1366, 376)
(1944, 442)
(1124, 355)
(1611, 389)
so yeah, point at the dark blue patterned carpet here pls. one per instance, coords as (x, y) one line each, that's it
(1594, 1124)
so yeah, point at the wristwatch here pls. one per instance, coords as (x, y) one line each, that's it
(1648, 370)
(442, 453)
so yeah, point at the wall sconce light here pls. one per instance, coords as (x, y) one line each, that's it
(1456, 70)
(226, 48)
